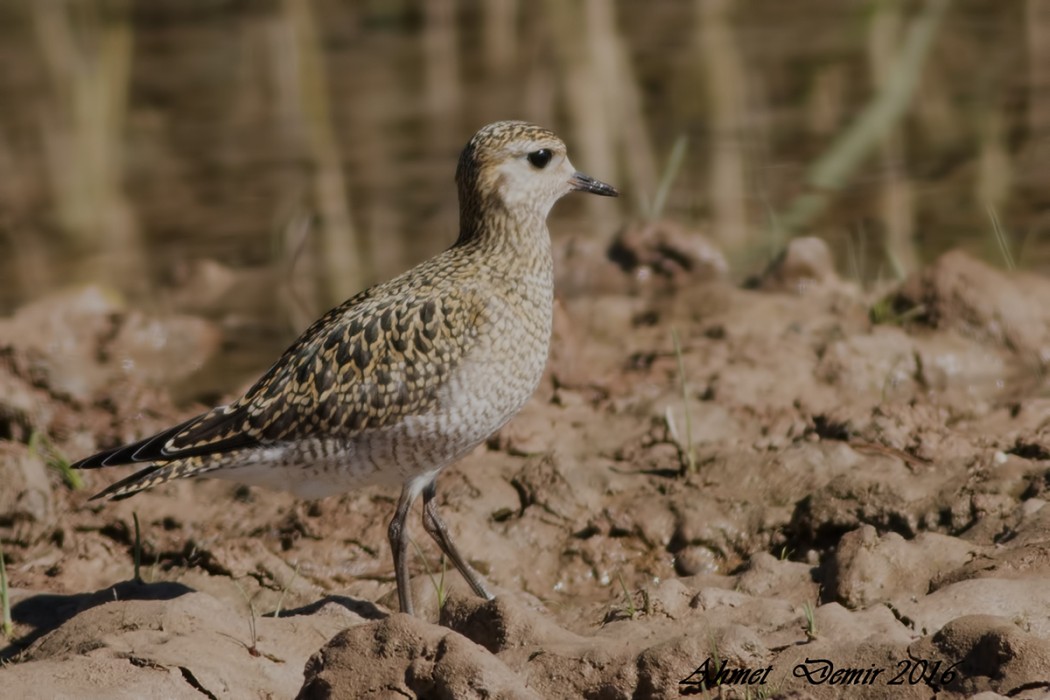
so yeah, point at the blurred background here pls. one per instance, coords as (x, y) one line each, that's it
(258, 161)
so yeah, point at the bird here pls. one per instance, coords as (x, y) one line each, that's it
(406, 377)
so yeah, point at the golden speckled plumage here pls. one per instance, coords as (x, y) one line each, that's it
(407, 376)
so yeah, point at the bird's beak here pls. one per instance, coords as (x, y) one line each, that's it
(586, 183)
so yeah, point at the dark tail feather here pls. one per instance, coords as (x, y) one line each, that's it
(153, 448)
(133, 452)
(126, 488)
(156, 474)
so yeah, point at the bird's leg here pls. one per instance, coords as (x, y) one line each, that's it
(437, 529)
(398, 536)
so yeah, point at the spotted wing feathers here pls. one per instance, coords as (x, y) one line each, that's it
(382, 355)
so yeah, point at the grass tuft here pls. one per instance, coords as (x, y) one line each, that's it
(437, 582)
(884, 312)
(41, 446)
(667, 178)
(811, 621)
(1001, 240)
(632, 610)
(137, 550)
(686, 451)
(253, 649)
(5, 600)
(284, 590)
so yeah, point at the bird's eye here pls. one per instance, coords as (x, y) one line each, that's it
(540, 158)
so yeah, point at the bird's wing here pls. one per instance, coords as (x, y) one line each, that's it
(363, 365)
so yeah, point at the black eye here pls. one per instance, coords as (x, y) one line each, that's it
(540, 158)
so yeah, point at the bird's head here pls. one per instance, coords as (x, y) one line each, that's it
(522, 166)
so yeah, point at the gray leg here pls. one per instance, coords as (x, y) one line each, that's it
(437, 529)
(398, 535)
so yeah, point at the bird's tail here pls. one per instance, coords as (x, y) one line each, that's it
(157, 474)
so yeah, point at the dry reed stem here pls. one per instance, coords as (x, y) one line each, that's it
(343, 257)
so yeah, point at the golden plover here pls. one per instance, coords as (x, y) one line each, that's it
(408, 376)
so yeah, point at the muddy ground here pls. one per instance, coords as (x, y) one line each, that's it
(832, 491)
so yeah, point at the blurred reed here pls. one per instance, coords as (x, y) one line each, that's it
(603, 102)
(500, 35)
(830, 173)
(655, 208)
(897, 206)
(29, 267)
(442, 81)
(993, 182)
(342, 252)
(297, 292)
(353, 111)
(592, 126)
(86, 51)
(725, 80)
(620, 95)
(1037, 24)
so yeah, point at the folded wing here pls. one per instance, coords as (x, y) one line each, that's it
(362, 366)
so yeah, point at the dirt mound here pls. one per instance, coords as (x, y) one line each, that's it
(405, 655)
(802, 488)
(165, 640)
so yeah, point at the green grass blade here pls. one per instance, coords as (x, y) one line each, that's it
(5, 599)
